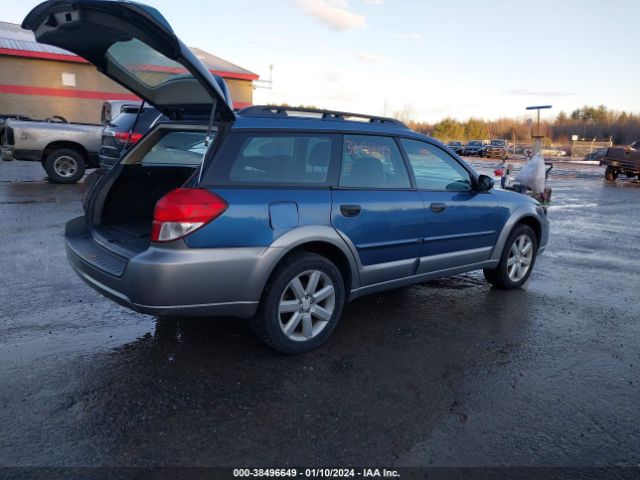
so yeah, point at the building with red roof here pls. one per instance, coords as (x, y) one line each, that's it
(41, 81)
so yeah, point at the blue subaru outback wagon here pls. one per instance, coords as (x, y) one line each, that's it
(284, 214)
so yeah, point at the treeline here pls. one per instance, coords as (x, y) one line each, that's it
(588, 123)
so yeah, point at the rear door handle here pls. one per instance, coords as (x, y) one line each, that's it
(350, 210)
(438, 207)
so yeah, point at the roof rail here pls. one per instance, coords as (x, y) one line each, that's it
(282, 111)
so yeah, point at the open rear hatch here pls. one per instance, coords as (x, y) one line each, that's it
(135, 46)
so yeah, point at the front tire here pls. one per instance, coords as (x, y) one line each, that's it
(517, 260)
(301, 304)
(611, 174)
(64, 166)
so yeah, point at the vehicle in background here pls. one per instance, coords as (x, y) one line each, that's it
(3, 120)
(125, 131)
(622, 160)
(288, 214)
(112, 108)
(474, 147)
(553, 152)
(64, 149)
(497, 148)
(520, 148)
(455, 147)
(596, 155)
(15, 116)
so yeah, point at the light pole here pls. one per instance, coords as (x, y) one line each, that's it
(537, 142)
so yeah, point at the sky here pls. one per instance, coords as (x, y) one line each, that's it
(426, 59)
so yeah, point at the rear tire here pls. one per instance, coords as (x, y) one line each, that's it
(517, 260)
(64, 165)
(610, 174)
(301, 304)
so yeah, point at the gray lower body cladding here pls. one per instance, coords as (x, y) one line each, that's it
(177, 280)
(173, 281)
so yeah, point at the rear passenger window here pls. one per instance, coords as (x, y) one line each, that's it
(272, 159)
(372, 162)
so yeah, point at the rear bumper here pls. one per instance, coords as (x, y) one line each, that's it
(621, 164)
(7, 154)
(107, 161)
(11, 153)
(173, 281)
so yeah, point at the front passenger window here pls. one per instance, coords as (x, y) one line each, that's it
(434, 169)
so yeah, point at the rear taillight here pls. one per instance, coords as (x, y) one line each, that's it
(128, 138)
(183, 211)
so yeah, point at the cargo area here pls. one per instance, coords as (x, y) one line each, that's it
(127, 212)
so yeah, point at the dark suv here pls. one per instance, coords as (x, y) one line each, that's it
(474, 147)
(456, 147)
(287, 214)
(121, 132)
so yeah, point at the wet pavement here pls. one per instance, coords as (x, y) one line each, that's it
(447, 373)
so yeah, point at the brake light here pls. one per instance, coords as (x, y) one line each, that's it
(128, 138)
(183, 211)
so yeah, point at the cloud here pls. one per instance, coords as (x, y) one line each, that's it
(409, 36)
(331, 76)
(374, 2)
(370, 58)
(538, 93)
(332, 13)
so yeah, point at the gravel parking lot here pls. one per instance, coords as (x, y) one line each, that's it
(451, 373)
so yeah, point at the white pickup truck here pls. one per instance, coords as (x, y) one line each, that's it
(64, 149)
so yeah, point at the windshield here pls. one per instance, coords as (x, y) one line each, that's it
(454, 144)
(124, 121)
(499, 143)
(475, 143)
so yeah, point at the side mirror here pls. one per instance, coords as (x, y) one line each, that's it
(485, 183)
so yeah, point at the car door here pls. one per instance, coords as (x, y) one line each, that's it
(376, 210)
(461, 223)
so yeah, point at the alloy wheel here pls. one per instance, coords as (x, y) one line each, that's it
(65, 166)
(306, 305)
(520, 258)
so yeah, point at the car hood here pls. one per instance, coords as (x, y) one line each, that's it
(134, 45)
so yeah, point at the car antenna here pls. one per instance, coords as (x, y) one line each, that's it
(207, 139)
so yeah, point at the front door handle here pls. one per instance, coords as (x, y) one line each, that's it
(350, 210)
(438, 207)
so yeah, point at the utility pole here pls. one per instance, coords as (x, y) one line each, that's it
(537, 142)
(266, 84)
